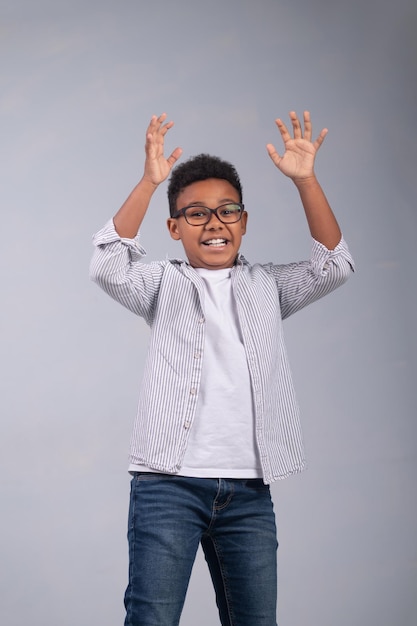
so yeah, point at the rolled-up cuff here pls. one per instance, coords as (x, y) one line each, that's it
(321, 257)
(108, 234)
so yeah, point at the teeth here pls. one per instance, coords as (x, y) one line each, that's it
(215, 242)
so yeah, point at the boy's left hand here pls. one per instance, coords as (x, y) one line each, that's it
(298, 159)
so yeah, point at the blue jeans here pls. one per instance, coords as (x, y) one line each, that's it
(234, 521)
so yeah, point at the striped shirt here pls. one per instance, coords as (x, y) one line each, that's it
(169, 295)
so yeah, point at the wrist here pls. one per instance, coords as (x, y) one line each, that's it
(147, 185)
(305, 182)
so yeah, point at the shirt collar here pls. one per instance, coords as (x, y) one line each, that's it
(240, 260)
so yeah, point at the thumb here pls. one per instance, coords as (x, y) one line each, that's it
(174, 156)
(273, 153)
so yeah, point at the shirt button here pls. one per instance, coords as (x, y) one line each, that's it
(187, 424)
(193, 391)
(197, 354)
(201, 320)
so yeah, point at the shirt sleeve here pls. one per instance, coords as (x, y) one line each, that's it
(117, 268)
(300, 284)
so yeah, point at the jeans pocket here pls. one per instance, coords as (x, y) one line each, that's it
(142, 476)
(257, 484)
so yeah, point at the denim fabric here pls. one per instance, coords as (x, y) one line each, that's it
(234, 521)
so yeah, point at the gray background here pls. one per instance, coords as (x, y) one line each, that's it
(79, 82)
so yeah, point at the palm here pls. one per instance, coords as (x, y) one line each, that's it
(157, 167)
(298, 158)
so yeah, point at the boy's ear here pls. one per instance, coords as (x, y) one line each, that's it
(173, 228)
(244, 222)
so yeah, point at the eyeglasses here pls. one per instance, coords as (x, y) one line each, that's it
(196, 215)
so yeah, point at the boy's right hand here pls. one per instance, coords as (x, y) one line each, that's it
(157, 167)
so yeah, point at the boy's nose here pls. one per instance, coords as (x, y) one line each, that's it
(214, 222)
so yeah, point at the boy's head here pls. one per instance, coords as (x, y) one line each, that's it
(207, 214)
(200, 167)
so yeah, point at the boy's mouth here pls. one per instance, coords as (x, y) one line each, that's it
(215, 242)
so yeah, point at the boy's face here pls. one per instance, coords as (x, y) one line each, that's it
(214, 245)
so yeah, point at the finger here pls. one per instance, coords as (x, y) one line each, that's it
(298, 133)
(307, 126)
(151, 126)
(320, 138)
(283, 130)
(164, 129)
(161, 119)
(150, 144)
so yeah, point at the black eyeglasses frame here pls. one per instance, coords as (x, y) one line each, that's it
(210, 213)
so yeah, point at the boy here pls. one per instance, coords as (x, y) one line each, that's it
(217, 418)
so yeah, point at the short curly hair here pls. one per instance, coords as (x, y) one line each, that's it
(200, 167)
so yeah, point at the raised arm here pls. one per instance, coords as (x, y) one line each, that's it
(297, 163)
(157, 168)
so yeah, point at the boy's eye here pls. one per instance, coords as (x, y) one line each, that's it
(196, 212)
(229, 209)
